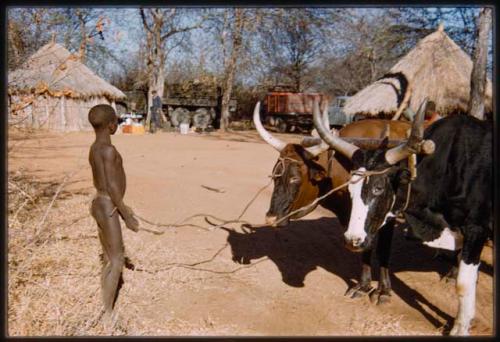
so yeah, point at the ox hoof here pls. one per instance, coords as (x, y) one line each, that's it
(360, 290)
(451, 276)
(449, 279)
(459, 330)
(380, 297)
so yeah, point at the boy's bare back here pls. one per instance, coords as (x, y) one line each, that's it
(106, 164)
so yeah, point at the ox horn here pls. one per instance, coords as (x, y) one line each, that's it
(326, 120)
(334, 141)
(398, 153)
(265, 135)
(316, 150)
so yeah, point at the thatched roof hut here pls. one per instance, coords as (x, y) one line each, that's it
(436, 68)
(54, 90)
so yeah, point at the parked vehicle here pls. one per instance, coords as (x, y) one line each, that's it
(197, 103)
(288, 111)
(336, 114)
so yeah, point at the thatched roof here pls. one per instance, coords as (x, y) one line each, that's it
(436, 68)
(54, 70)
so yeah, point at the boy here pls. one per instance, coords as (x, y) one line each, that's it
(109, 181)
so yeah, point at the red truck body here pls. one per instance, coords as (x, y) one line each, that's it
(291, 103)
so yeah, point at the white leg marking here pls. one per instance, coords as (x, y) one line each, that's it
(447, 240)
(359, 211)
(466, 289)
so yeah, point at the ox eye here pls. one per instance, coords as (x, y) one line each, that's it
(294, 180)
(377, 190)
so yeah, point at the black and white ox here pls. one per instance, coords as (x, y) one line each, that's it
(448, 205)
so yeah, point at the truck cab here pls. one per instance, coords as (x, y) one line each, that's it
(336, 113)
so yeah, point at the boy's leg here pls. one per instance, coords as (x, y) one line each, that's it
(111, 239)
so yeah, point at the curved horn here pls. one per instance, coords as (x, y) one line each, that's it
(316, 150)
(265, 135)
(398, 153)
(334, 141)
(326, 120)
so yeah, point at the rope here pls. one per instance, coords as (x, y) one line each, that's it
(224, 222)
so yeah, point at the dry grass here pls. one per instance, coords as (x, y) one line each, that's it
(54, 279)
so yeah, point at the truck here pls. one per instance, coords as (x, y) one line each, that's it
(197, 103)
(288, 111)
(336, 114)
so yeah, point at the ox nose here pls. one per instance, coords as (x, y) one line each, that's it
(271, 219)
(353, 241)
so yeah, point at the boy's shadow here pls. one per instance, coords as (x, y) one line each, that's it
(302, 246)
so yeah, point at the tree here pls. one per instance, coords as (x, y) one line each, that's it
(478, 76)
(161, 26)
(231, 39)
(292, 41)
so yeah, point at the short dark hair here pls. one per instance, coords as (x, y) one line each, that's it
(154, 91)
(101, 115)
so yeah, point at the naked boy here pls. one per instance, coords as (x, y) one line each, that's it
(109, 181)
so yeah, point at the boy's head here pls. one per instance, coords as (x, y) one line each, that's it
(103, 117)
(154, 92)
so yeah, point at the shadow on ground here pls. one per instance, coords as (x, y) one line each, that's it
(302, 246)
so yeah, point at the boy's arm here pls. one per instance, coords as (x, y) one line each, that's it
(112, 172)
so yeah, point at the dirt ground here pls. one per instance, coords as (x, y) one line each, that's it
(193, 281)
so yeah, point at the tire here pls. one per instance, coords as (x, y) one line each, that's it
(281, 125)
(269, 121)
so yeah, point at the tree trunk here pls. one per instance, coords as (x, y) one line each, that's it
(83, 33)
(231, 68)
(478, 75)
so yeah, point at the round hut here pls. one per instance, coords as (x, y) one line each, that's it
(54, 90)
(436, 68)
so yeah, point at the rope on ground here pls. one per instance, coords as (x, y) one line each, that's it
(224, 222)
(183, 223)
(192, 266)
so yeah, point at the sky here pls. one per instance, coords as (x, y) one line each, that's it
(125, 33)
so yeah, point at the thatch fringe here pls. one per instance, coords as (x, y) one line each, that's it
(437, 68)
(55, 71)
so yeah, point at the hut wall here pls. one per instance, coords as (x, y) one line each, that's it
(54, 113)
(77, 111)
(22, 117)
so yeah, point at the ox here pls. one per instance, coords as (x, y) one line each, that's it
(302, 174)
(448, 205)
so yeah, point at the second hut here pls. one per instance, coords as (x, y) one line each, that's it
(436, 68)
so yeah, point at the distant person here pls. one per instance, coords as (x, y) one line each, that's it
(109, 181)
(155, 113)
(431, 115)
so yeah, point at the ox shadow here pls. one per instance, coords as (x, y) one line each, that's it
(303, 246)
(298, 249)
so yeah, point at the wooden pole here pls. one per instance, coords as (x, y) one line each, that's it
(63, 112)
(478, 75)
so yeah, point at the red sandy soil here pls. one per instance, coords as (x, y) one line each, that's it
(286, 281)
